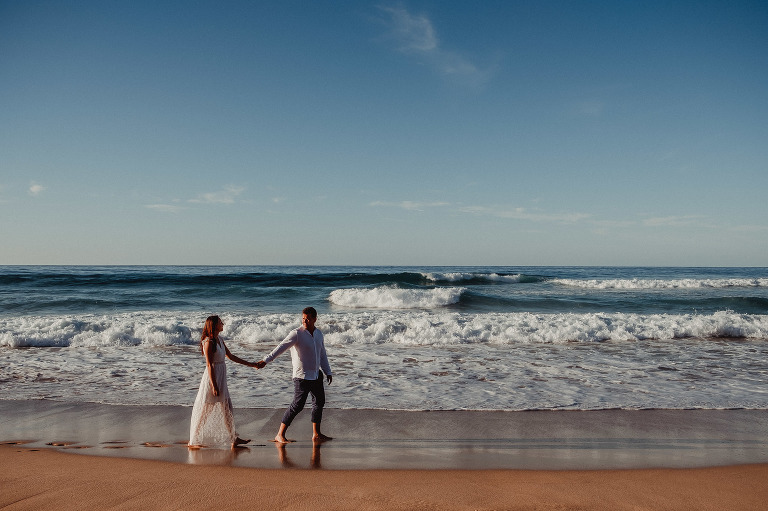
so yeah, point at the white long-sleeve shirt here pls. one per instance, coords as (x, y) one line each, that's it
(307, 353)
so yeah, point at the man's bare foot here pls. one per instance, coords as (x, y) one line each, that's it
(280, 439)
(319, 437)
(239, 441)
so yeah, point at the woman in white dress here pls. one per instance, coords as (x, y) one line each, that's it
(213, 422)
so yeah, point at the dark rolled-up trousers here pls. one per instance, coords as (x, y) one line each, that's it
(301, 389)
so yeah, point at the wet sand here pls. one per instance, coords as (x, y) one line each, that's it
(137, 459)
(378, 439)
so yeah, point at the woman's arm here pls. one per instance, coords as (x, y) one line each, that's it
(208, 345)
(237, 359)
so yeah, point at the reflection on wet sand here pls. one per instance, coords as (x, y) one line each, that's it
(222, 457)
(227, 457)
(285, 460)
(391, 439)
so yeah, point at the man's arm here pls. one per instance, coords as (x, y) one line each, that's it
(324, 364)
(280, 348)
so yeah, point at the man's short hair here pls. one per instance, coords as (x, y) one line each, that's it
(310, 311)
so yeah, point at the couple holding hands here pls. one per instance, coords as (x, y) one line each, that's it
(212, 415)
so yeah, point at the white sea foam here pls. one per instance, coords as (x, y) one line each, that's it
(527, 328)
(458, 277)
(408, 328)
(639, 284)
(409, 360)
(130, 329)
(389, 297)
(404, 359)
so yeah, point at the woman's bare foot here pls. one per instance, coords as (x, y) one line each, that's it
(239, 441)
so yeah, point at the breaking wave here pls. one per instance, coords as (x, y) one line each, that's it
(405, 327)
(390, 297)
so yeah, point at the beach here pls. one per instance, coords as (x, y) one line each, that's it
(58, 455)
(454, 388)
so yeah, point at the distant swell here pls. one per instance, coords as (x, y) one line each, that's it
(640, 284)
(477, 278)
(390, 297)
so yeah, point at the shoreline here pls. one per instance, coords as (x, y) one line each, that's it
(402, 440)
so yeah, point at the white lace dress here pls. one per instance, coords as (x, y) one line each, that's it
(213, 422)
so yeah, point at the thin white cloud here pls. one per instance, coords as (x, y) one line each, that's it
(614, 224)
(226, 196)
(165, 208)
(409, 205)
(524, 214)
(414, 34)
(35, 189)
(672, 221)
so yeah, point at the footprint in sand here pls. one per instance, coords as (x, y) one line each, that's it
(115, 444)
(77, 447)
(153, 444)
(17, 442)
(60, 444)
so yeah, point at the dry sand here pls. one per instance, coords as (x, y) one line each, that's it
(48, 479)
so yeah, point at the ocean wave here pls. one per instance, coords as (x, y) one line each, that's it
(529, 328)
(390, 297)
(132, 329)
(452, 277)
(174, 277)
(417, 328)
(640, 284)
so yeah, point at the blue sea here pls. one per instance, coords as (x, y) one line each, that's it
(415, 338)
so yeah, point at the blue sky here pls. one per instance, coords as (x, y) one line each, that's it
(353, 132)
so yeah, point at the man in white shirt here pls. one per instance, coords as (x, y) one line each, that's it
(309, 358)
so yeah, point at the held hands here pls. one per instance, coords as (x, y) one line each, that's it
(261, 365)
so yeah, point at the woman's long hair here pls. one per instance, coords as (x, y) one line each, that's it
(210, 332)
